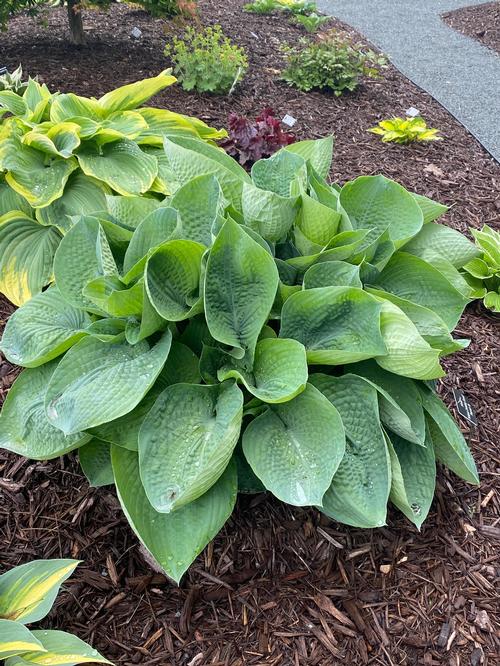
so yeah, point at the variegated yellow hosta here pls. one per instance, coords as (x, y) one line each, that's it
(27, 594)
(62, 154)
(405, 130)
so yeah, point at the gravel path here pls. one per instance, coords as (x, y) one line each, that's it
(462, 74)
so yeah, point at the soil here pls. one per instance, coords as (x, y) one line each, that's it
(481, 22)
(279, 585)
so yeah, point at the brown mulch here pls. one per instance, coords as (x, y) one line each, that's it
(279, 585)
(481, 22)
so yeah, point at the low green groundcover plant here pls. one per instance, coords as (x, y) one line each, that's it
(62, 155)
(483, 272)
(295, 7)
(250, 332)
(331, 63)
(27, 594)
(405, 130)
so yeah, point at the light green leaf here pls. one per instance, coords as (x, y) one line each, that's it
(444, 241)
(268, 213)
(134, 94)
(15, 638)
(10, 200)
(150, 322)
(95, 460)
(431, 210)
(13, 102)
(492, 301)
(295, 448)
(68, 106)
(332, 274)
(60, 649)
(317, 152)
(120, 125)
(315, 226)
(284, 173)
(113, 297)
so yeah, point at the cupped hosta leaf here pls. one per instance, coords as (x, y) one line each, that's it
(13, 102)
(240, 285)
(174, 539)
(284, 173)
(315, 226)
(268, 213)
(95, 459)
(450, 446)
(317, 152)
(24, 427)
(59, 649)
(120, 125)
(360, 488)
(172, 277)
(295, 448)
(15, 638)
(113, 297)
(27, 592)
(431, 210)
(340, 248)
(444, 241)
(134, 94)
(27, 252)
(377, 203)
(413, 477)
(408, 354)
(42, 329)
(83, 255)
(162, 122)
(414, 279)
(60, 140)
(332, 274)
(122, 165)
(335, 324)
(187, 440)
(131, 210)
(97, 381)
(149, 322)
(68, 106)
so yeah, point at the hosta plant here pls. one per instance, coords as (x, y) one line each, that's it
(27, 594)
(62, 155)
(483, 272)
(263, 331)
(311, 22)
(405, 130)
(13, 81)
(295, 7)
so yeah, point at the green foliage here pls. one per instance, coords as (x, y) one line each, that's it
(169, 7)
(483, 272)
(62, 155)
(207, 61)
(253, 331)
(311, 22)
(13, 81)
(332, 63)
(27, 594)
(295, 7)
(405, 130)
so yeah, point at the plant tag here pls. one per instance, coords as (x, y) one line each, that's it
(289, 120)
(464, 407)
(412, 112)
(136, 33)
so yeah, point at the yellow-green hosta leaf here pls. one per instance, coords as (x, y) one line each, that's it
(198, 204)
(131, 210)
(175, 539)
(317, 152)
(61, 139)
(162, 122)
(284, 173)
(360, 488)
(68, 106)
(377, 203)
(115, 298)
(42, 329)
(187, 440)
(15, 639)
(268, 213)
(241, 281)
(315, 226)
(13, 102)
(413, 477)
(27, 251)
(444, 241)
(122, 165)
(431, 210)
(10, 200)
(36, 97)
(173, 274)
(95, 460)
(134, 94)
(97, 381)
(332, 274)
(120, 125)
(336, 325)
(27, 592)
(492, 301)
(60, 649)
(24, 427)
(295, 448)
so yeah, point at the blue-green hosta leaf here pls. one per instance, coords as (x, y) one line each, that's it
(336, 325)
(174, 539)
(149, 322)
(414, 279)
(187, 440)
(377, 203)
(431, 210)
(444, 241)
(42, 329)
(198, 203)
(408, 354)
(113, 297)
(450, 446)
(95, 460)
(268, 213)
(24, 427)
(68, 106)
(452, 274)
(172, 275)
(27, 252)
(131, 210)
(97, 382)
(317, 152)
(27, 592)
(332, 274)
(413, 477)
(284, 173)
(315, 226)
(248, 483)
(360, 488)
(135, 94)
(60, 649)
(110, 329)
(241, 280)
(15, 638)
(295, 448)
(83, 255)
(122, 165)
(341, 247)
(10, 200)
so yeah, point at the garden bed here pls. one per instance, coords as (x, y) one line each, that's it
(481, 22)
(278, 585)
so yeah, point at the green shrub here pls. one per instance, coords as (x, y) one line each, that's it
(296, 7)
(405, 130)
(207, 61)
(61, 155)
(483, 272)
(27, 594)
(331, 63)
(169, 7)
(264, 330)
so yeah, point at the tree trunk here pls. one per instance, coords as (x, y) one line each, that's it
(76, 23)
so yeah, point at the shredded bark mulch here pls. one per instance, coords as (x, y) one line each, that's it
(481, 22)
(279, 585)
